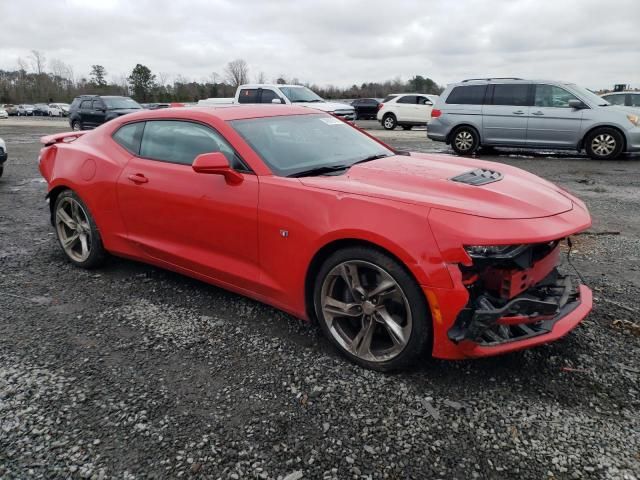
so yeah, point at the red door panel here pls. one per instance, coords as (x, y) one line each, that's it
(192, 220)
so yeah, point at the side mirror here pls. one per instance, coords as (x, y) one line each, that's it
(577, 104)
(216, 163)
(279, 101)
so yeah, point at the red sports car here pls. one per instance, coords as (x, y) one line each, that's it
(394, 253)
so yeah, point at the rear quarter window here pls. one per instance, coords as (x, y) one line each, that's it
(129, 137)
(388, 98)
(467, 95)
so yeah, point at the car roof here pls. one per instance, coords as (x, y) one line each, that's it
(511, 80)
(223, 112)
(269, 85)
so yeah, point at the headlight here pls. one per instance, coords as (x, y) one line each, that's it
(634, 119)
(494, 251)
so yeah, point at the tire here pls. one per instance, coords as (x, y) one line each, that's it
(77, 232)
(604, 144)
(465, 140)
(76, 125)
(364, 334)
(389, 121)
(407, 127)
(1, 170)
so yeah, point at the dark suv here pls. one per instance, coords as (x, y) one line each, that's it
(90, 111)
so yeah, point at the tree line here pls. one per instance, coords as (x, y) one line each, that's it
(37, 81)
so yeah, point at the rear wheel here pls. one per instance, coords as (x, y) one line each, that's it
(465, 140)
(372, 309)
(389, 121)
(77, 231)
(604, 144)
(76, 125)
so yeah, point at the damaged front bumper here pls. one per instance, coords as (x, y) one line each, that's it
(504, 307)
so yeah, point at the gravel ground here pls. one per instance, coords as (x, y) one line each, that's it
(135, 372)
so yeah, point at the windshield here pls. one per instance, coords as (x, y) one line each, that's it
(589, 96)
(300, 94)
(297, 143)
(121, 102)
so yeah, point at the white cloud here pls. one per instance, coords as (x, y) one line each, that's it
(334, 41)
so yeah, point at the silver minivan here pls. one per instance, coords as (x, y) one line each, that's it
(513, 112)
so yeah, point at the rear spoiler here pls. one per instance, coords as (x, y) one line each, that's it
(61, 138)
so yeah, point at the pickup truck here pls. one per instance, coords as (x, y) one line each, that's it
(282, 94)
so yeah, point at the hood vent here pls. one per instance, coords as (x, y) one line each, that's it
(477, 177)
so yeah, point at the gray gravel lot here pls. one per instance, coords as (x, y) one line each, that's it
(135, 372)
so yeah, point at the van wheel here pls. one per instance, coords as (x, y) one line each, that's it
(604, 144)
(465, 140)
(389, 122)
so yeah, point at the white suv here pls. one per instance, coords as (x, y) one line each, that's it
(406, 109)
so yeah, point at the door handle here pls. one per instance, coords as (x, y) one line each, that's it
(138, 178)
(537, 113)
(518, 112)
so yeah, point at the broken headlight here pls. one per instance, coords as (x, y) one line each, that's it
(495, 251)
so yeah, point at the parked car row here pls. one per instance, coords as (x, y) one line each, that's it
(41, 109)
(514, 112)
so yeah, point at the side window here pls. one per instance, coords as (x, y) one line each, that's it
(614, 99)
(634, 99)
(181, 142)
(97, 104)
(129, 136)
(85, 105)
(388, 97)
(467, 95)
(424, 101)
(407, 99)
(552, 96)
(248, 95)
(511, 94)
(268, 96)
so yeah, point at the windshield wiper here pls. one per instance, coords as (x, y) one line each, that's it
(319, 171)
(372, 157)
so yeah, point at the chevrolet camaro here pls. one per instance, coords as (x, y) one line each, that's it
(395, 254)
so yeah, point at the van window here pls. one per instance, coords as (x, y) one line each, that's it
(515, 94)
(467, 95)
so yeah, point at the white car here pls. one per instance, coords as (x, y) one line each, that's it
(3, 113)
(58, 109)
(406, 110)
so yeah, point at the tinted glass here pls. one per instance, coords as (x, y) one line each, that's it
(467, 95)
(635, 99)
(97, 104)
(295, 143)
(129, 136)
(424, 101)
(86, 104)
(388, 97)
(408, 99)
(268, 96)
(614, 99)
(121, 102)
(511, 94)
(181, 142)
(248, 95)
(552, 96)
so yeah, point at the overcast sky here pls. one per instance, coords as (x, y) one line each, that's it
(341, 42)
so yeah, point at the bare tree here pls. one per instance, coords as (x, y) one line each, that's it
(163, 78)
(237, 72)
(262, 78)
(38, 61)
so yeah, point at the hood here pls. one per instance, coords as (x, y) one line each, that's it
(426, 180)
(327, 106)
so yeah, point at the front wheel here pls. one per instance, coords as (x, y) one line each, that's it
(465, 141)
(604, 144)
(372, 309)
(77, 231)
(389, 121)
